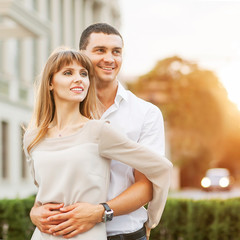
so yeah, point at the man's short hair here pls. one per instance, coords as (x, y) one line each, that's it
(96, 28)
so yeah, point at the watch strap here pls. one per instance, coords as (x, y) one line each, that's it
(108, 213)
(106, 207)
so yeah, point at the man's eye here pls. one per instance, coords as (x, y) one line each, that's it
(84, 73)
(117, 52)
(100, 50)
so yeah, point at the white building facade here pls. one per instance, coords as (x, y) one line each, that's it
(29, 31)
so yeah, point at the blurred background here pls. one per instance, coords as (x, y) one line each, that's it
(183, 56)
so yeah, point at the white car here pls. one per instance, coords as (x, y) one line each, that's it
(216, 179)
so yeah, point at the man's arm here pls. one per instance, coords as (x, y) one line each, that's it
(134, 197)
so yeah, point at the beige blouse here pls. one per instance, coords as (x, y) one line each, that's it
(76, 168)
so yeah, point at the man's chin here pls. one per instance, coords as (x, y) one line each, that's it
(106, 79)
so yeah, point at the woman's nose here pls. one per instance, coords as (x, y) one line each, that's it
(78, 78)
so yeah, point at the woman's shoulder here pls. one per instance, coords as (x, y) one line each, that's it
(29, 135)
(98, 128)
(98, 123)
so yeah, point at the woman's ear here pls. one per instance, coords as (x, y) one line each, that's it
(50, 86)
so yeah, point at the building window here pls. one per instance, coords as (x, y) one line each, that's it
(24, 167)
(35, 6)
(35, 58)
(1, 55)
(49, 10)
(17, 58)
(4, 153)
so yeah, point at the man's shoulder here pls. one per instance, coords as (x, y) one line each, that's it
(135, 100)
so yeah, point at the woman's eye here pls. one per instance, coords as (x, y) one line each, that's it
(84, 74)
(67, 73)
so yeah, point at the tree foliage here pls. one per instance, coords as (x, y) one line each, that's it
(197, 114)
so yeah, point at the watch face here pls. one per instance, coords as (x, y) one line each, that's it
(109, 215)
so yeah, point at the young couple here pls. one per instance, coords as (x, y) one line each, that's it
(95, 160)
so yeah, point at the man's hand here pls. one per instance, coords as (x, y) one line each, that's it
(77, 218)
(40, 213)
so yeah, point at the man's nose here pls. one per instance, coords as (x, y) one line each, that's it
(108, 57)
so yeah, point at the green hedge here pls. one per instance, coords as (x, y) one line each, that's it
(183, 219)
(199, 220)
(15, 223)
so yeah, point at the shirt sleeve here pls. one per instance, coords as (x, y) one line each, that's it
(152, 133)
(114, 145)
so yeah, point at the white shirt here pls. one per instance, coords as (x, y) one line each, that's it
(143, 123)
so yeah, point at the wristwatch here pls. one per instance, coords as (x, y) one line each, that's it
(108, 213)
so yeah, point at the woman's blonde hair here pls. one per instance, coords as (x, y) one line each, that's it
(44, 107)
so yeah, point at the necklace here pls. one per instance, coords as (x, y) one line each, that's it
(69, 130)
(61, 132)
(66, 130)
(58, 133)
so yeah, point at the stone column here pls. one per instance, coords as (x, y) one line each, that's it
(88, 9)
(79, 21)
(56, 24)
(42, 43)
(67, 23)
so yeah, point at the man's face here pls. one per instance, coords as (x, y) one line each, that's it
(105, 52)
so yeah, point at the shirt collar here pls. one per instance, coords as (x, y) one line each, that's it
(121, 93)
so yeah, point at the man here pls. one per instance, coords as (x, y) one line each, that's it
(142, 122)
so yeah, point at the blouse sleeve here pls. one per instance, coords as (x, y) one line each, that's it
(157, 168)
(27, 138)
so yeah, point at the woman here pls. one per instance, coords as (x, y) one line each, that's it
(69, 152)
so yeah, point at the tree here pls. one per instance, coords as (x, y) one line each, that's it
(194, 105)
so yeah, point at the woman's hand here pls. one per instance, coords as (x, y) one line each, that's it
(77, 218)
(40, 213)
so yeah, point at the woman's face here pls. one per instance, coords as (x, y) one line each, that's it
(71, 83)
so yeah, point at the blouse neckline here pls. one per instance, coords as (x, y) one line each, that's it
(68, 136)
